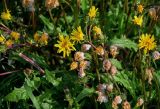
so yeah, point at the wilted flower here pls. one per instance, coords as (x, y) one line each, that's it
(140, 8)
(113, 70)
(100, 50)
(109, 87)
(44, 39)
(126, 105)
(140, 102)
(85, 47)
(102, 98)
(92, 12)
(152, 13)
(74, 65)
(51, 4)
(101, 88)
(29, 4)
(149, 74)
(9, 43)
(81, 73)
(65, 45)
(83, 64)
(107, 64)
(138, 20)
(6, 15)
(114, 105)
(79, 56)
(118, 99)
(15, 35)
(147, 42)
(77, 35)
(156, 55)
(114, 50)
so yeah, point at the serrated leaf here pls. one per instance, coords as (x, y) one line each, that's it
(17, 94)
(116, 63)
(123, 79)
(46, 22)
(84, 93)
(50, 77)
(124, 43)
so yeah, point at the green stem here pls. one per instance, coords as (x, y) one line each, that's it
(5, 4)
(51, 16)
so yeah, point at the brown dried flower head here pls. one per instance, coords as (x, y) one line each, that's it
(107, 65)
(113, 70)
(126, 105)
(50, 4)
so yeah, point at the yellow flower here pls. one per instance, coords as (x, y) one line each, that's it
(2, 39)
(74, 65)
(64, 45)
(147, 42)
(6, 15)
(9, 43)
(44, 39)
(36, 37)
(138, 20)
(92, 12)
(77, 35)
(97, 30)
(140, 8)
(15, 35)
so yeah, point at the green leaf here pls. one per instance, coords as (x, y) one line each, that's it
(116, 63)
(123, 79)
(17, 94)
(84, 93)
(124, 43)
(50, 77)
(84, 4)
(46, 22)
(31, 96)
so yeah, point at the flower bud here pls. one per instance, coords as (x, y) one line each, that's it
(149, 74)
(29, 4)
(84, 64)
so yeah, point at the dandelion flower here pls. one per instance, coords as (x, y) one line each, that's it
(64, 45)
(2, 39)
(147, 42)
(100, 50)
(140, 8)
(92, 12)
(77, 35)
(138, 20)
(15, 35)
(79, 56)
(6, 15)
(51, 4)
(97, 30)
